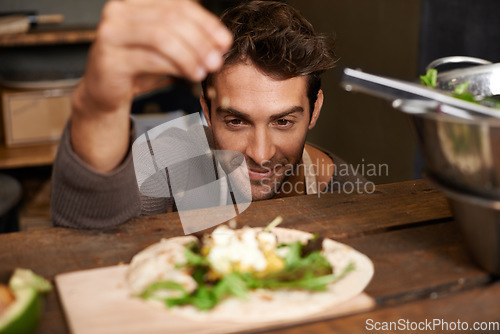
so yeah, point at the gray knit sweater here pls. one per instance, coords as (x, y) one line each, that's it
(83, 198)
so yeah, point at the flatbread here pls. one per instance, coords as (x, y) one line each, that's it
(267, 305)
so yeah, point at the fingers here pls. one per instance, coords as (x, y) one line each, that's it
(190, 38)
(212, 26)
(192, 10)
(209, 53)
(152, 51)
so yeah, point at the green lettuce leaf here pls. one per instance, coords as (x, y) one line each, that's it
(304, 269)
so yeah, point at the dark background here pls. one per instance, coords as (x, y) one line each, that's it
(388, 37)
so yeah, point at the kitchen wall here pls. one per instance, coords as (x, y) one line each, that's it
(379, 36)
(74, 11)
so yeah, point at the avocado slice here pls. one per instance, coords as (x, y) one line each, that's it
(23, 314)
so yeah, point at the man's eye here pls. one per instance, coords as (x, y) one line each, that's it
(284, 123)
(234, 122)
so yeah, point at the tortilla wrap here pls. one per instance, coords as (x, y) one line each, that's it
(263, 304)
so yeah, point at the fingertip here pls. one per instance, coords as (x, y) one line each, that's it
(200, 73)
(225, 38)
(214, 60)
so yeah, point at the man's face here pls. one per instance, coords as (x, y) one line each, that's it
(264, 119)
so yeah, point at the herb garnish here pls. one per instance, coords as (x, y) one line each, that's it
(460, 91)
(304, 269)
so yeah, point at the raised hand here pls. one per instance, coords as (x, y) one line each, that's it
(138, 42)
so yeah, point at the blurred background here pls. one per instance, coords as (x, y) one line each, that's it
(388, 37)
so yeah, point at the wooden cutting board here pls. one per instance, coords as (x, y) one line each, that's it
(98, 301)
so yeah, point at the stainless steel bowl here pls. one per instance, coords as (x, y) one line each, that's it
(479, 222)
(464, 153)
(462, 159)
(460, 143)
(483, 79)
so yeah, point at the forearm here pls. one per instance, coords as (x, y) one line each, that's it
(100, 139)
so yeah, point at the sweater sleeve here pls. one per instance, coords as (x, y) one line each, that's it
(84, 198)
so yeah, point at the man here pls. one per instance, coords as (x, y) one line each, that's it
(260, 98)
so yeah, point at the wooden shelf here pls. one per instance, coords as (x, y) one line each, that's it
(27, 156)
(50, 36)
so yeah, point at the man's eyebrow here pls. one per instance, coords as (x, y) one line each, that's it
(292, 110)
(232, 111)
(243, 115)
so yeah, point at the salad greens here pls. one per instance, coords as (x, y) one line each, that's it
(305, 268)
(460, 92)
(430, 78)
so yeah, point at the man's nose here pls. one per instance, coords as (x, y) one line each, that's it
(260, 147)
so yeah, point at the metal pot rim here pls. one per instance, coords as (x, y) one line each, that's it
(477, 121)
(469, 71)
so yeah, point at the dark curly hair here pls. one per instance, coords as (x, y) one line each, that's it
(280, 42)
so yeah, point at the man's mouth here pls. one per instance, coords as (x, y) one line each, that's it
(260, 174)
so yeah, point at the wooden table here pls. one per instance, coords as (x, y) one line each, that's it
(422, 271)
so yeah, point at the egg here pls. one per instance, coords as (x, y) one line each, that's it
(245, 250)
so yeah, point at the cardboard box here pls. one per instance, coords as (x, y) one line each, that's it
(34, 116)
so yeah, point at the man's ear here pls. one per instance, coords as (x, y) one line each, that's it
(317, 110)
(206, 111)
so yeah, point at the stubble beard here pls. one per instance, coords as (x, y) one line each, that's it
(269, 187)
